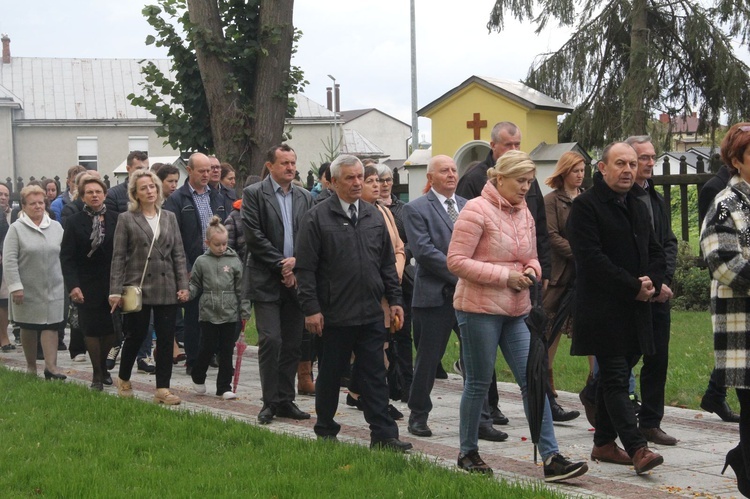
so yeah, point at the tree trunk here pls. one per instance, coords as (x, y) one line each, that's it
(227, 119)
(635, 115)
(271, 95)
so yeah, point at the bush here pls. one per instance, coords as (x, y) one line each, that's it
(691, 284)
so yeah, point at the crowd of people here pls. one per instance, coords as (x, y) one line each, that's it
(464, 258)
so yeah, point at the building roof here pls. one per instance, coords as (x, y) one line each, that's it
(513, 90)
(552, 152)
(357, 144)
(353, 114)
(308, 109)
(76, 89)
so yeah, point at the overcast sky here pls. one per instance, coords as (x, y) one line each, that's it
(364, 44)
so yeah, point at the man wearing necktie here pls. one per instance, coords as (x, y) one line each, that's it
(429, 226)
(345, 265)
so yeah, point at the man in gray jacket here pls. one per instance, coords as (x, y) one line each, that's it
(272, 212)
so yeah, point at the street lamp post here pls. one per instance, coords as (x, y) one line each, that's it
(337, 137)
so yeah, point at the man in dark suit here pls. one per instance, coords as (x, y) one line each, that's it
(194, 204)
(117, 197)
(429, 226)
(654, 370)
(272, 211)
(620, 267)
(715, 398)
(345, 266)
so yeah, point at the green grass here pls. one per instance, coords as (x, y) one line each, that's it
(63, 440)
(691, 360)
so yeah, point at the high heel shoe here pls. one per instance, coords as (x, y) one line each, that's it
(735, 460)
(48, 375)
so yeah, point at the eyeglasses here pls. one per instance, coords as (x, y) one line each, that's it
(646, 157)
(216, 167)
(386, 180)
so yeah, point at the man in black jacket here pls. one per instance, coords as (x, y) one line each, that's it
(619, 268)
(194, 204)
(345, 265)
(654, 370)
(117, 197)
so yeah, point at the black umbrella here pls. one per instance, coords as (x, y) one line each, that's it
(394, 371)
(564, 312)
(535, 369)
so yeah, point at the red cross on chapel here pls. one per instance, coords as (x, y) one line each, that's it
(477, 125)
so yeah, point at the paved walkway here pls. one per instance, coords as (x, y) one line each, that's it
(690, 469)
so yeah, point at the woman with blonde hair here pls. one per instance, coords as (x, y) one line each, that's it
(32, 270)
(148, 243)
(566, 181)
(493, 254)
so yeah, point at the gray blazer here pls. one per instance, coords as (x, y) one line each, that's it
(264, 236)
(429, 230)
(166, 272)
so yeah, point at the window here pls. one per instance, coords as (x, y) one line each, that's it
(88, 152)
(138, 143)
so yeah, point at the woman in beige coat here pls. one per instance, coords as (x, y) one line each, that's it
(165, 283)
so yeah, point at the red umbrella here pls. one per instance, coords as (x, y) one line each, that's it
(241, 346)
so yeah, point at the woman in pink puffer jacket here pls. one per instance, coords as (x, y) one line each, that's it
(493, 254)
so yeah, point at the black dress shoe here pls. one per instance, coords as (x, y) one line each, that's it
(419, 429)
(720, 408)
(352, 402)
(48, 375)
(440, 372)
(391, 444)
(328, 438)
(107, 380)
(265, 416)
(498, 417)
(291, 411)
(491, 434)
(560, 415)
(394, 413)
(96, 386)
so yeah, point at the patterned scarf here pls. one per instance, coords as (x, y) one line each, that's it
(97, 226)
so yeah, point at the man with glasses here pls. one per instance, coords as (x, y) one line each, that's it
(654, 370)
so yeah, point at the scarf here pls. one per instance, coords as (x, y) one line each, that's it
(97, 226)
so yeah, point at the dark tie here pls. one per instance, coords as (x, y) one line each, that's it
(451, 209)
(353, 214)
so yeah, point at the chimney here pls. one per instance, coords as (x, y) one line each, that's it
(329, 99)
(6, 48)
(337, 97)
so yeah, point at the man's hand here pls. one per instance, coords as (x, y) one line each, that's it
(397, 315)
(647, 289)
(76, 295)
(287, 265)
(665, 295)
(183, 295)
(314, 323)
(290, 281)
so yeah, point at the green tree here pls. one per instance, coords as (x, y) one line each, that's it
(231, 76)
(630, 58)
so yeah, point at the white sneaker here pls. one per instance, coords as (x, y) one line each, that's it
(229, 395)
(81, 357)
(199, 389)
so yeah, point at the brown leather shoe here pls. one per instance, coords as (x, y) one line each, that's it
(610, 453)
(645, 460)
(657, 436)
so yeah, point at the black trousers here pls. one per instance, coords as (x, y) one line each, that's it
(336, 347)
(136, 329)
(614, 411)
(432, 328)
(654, 370)
(216, 338)
(404, 357)
(744, 397)
(280, 325)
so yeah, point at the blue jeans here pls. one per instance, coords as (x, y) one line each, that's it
(481, 334)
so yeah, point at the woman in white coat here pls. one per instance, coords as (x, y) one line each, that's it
(31, 266)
